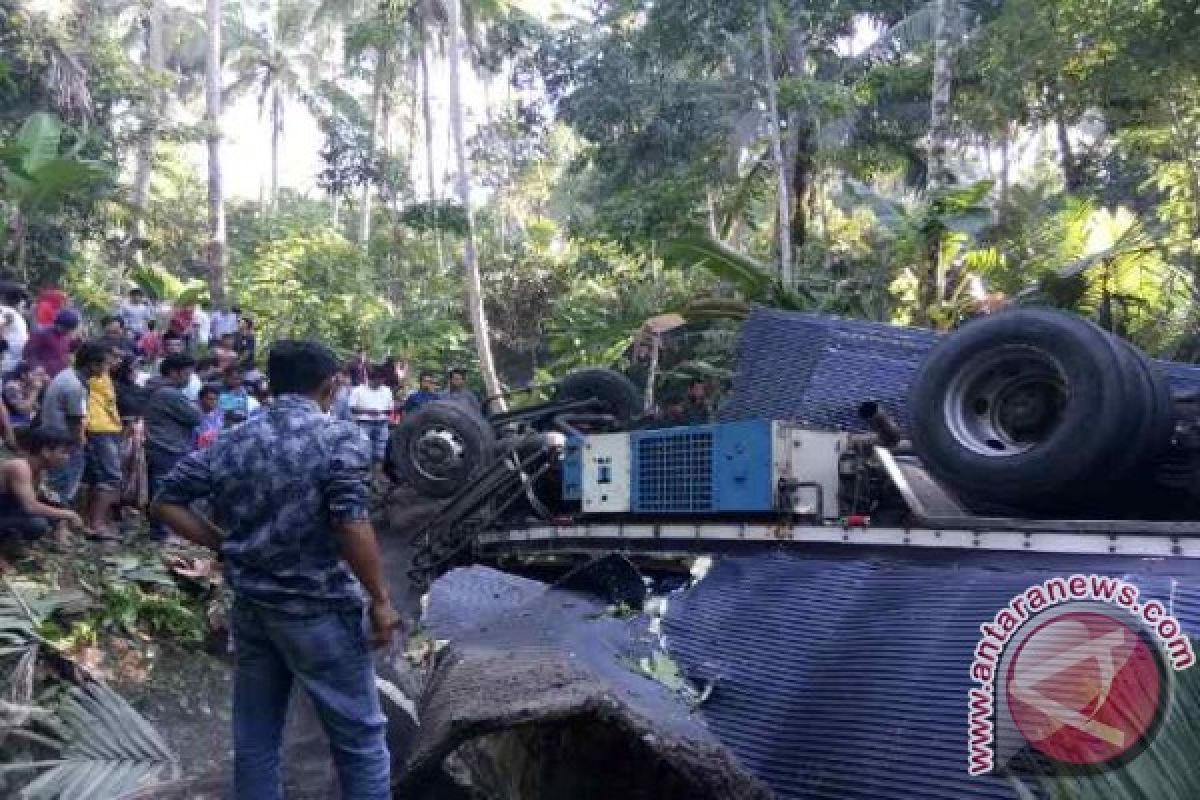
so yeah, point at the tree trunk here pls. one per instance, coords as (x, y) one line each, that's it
(943, 81)
(1005, 138)
(784, 210)
(276, 135)
(335, 216)
(155, 63)
(801, 145)
(1072, 177)
(381, 78)
(487, 368)
(427, 112)
(216, 197)
(928, 291)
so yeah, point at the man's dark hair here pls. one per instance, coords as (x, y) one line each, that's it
(459, 371)
(111, 318)
(43, 437)
(91, 354)
(172, 336)
(233, 369)
(174, 363)
(698, 382)
(207, 389)
(151, 324)
(14, 296)
(427, 376)
(136, 290)
(299, 367)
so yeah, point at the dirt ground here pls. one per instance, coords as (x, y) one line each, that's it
(187, 693)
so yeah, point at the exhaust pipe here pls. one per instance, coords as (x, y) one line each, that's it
(880, 423)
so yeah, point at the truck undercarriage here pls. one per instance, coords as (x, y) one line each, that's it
(850, 574)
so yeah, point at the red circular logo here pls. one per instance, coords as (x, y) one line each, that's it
(1085, 688)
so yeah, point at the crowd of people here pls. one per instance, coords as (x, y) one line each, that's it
(95, 417)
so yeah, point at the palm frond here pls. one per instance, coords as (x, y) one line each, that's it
(105, 749)
(916, 31)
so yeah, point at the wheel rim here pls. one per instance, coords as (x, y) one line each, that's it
(1007, 401)
(438, 453)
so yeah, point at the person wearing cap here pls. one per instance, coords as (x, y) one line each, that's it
(51, 348)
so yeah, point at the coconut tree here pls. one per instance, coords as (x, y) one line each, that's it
(279, 65)
(474, 285)
(385, 35)
(173, 41)
(212, 118)
(785, 238)
(423, 43)
(468, 23)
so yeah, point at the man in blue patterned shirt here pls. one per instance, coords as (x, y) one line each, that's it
(290, 490)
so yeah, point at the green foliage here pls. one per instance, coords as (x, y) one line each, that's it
(311, 284)
(39, 179)
(1164, 769)
(164, 612)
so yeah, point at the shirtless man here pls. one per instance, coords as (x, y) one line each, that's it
(21, 513)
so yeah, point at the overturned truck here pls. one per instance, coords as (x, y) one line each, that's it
(870, 498)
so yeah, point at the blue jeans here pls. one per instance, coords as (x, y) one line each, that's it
(327, 654)
(159, 464)
(65, 480)
(377, 432)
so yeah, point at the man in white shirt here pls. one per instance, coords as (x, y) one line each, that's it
(201, 324)
(224, 323)
(371, 406)
(13, 327)
(136, 312)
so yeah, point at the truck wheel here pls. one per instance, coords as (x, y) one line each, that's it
(1150, 412)
(1027, 407)
(440, 446)
(614, 391)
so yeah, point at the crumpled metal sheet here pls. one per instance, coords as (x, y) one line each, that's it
(816, 370)
(522, 654)
(846, 678)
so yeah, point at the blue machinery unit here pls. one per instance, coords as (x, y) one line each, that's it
(749, 467)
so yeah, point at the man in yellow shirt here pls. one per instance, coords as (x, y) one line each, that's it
(102, 463)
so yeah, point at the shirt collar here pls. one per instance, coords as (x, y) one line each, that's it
(296, 402)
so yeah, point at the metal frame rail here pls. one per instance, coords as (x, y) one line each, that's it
(1078, 537)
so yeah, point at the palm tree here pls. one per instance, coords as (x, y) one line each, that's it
(785, 238)
(384, 35)
(474, 285)
(212, 118)
(279, 64)
(423, 43)
(946, 14)
(155, 63)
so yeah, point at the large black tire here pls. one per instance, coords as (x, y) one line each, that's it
(1031, 408)
(614, 391)
(1150, 413)
(437, 448)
